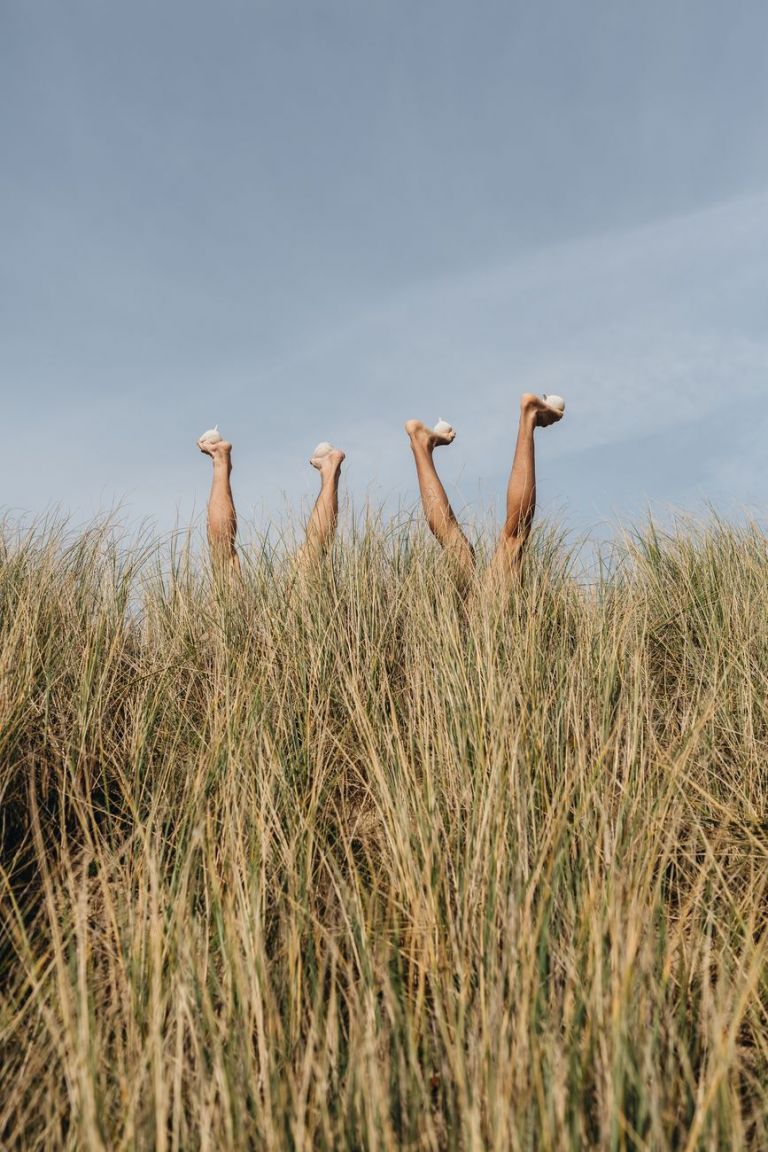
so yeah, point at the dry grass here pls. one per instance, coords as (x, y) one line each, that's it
(348, 866)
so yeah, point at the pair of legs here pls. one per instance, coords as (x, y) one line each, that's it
(521, 492)
(222, 518)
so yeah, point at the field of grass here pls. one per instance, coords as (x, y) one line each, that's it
(346, 864)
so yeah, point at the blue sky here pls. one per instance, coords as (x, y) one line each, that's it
(310, 221)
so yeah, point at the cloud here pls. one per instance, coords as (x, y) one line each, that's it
(647, 332)
(653, 335)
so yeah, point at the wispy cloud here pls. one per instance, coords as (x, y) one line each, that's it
(373, 214)
(650, 332)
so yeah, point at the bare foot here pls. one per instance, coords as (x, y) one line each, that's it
(326, 458)
(429, 438)
(544, 414)
(216, 448)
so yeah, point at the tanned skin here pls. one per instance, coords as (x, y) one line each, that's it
(222, 517)
(521, 487)
(321, 528)
(521, 493)
(434, 499)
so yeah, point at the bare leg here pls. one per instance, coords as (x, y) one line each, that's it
(521, 489)
(437, 509)
(222, 518)
(321, 528)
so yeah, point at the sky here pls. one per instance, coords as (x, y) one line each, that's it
(309, 221)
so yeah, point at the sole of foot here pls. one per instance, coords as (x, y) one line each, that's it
(545, 413)
(429, 437)
(326, 456)
(214, 448)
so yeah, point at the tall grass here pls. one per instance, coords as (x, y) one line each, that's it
(347, 864)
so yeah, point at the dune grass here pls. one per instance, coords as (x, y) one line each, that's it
(346, 864)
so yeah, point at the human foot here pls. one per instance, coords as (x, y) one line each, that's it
(543, 411)
(326, 458)
(216, 449)
(429, 438)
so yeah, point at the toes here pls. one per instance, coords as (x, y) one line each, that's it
(326, 456)
(431, 437)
